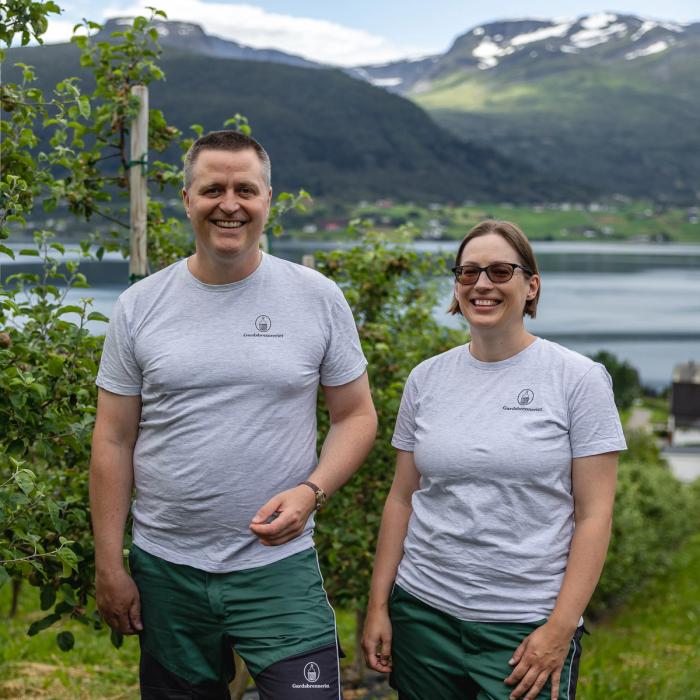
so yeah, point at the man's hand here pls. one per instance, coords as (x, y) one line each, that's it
(540, 655)
(119, 602)
(284, 516)
(376, 640)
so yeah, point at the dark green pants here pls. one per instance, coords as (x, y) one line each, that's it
(277, 617)
(436, 655)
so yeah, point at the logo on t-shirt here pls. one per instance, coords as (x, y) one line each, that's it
(525, 397)
(524, 400)
(263, 323)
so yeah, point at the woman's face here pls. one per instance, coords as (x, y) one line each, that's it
(490, 306)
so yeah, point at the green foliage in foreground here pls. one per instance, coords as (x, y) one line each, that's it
(654, 514)
(651, 649)
(389, 289)
(625, 378)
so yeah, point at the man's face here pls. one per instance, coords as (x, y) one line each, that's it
(228, 203)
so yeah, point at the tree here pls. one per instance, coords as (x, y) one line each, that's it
(392, 292)
(625, 378)
(48, 359)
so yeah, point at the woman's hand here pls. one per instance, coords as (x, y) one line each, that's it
(376, 640)
(540, 656)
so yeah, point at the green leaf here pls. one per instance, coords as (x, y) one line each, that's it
(54, 365)
(25, 479)
(54, 513)
(7, 251)
(29, 251)
(4, 576)
(48, 597)
(97, 316)
(42, 624)
(84, 106)
(65, 641)
(69, 560)
(69, 310)
(117, 638)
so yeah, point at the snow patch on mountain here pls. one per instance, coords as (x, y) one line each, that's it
(488, 52)
(598, 20)
(656, 47)
(586, 38)
(558, 30)
(386, 82)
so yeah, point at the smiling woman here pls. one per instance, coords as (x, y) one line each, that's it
(504, 445)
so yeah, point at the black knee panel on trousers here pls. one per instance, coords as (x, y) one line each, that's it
(313, 675)
(157, 683)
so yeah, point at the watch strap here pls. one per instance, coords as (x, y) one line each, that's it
(319, 493)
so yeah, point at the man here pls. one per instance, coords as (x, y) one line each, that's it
(207, 400)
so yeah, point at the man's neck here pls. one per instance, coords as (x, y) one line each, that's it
(213, 272)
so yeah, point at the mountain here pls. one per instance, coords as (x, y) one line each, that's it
(337, 137)
(610, 101)
(191, 38)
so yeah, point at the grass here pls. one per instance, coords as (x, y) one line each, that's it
(649, 649)
(630, 221)
(34, 667)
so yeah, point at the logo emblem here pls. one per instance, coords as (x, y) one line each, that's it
(525, 397)
(263, 323)
(312, 672)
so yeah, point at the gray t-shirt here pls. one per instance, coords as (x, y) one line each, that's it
(228, 376)
(492, 520)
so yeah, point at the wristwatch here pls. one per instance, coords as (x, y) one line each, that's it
(318, 492)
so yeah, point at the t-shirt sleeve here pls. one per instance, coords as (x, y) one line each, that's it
(119, 372)
(405, 431)
(344, 360)
(594, 423)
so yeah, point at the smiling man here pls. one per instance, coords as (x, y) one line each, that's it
(207, 405)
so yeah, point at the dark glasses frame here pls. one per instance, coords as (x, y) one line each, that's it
(457, 271)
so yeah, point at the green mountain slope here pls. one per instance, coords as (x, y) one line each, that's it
(610, 101)
(333, 135)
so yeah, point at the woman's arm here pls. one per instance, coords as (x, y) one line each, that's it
(543, 652)
(376, 640)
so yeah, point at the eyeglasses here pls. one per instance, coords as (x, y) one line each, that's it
(498, 273)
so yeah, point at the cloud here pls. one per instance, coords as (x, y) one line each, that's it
(58, 32)
(315, 39)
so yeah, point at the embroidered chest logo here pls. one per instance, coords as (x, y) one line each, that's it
(525, 397)
(263, 323)
(524, 400)
(263, 327)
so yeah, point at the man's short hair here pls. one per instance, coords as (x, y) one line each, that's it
(226, 140)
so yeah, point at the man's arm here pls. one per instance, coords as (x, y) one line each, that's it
(111, 481)
(349, 440)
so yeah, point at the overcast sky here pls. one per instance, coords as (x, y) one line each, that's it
(357, 32)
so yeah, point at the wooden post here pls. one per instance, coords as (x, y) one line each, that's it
(138, 260)
(308, 261)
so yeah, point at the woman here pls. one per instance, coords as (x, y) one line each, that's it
(504, 445)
